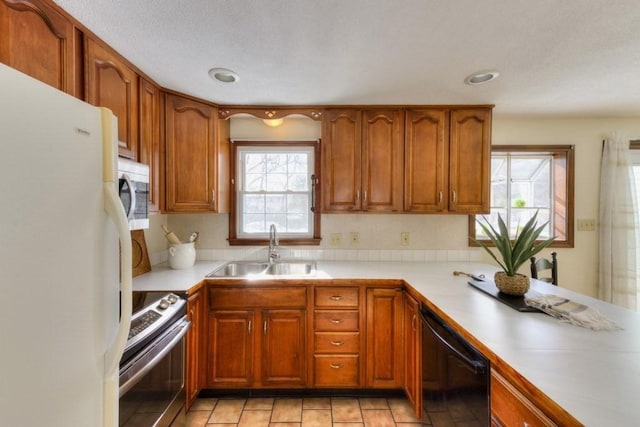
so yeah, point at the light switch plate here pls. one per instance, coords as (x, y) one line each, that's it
(586, 225)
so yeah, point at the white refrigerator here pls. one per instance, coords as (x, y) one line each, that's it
(65, 259)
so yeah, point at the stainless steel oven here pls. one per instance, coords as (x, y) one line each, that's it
(455, 375)
(152, 367)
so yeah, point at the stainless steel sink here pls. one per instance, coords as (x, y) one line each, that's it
(239, 269)
(291, 268)
(265, 269)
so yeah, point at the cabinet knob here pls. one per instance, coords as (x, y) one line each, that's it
(213, 196)
(338, 366)
(439, 197)
(336, 321)
(357, 196)
(337, 343)
(336, 298)
(454, 196)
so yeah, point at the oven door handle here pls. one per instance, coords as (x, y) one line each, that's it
(183, 328)
(477, 366)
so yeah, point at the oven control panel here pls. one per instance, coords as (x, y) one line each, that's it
(151, 320)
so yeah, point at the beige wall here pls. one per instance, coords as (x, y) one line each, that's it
(578, 266)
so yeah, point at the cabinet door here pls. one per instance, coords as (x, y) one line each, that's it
(413, 354)
(426, 160)
(150, 139)
(341, 160)
(194, 365)
(111, 83)
(385, 355)
(40, 42)
(382, 160)
(190, 155)
(231, 351)
(284, 348)
(470, 155)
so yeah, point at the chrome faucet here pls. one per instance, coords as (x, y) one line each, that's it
(273, 244)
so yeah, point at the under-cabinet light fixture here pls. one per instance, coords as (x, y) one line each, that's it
(274, 123)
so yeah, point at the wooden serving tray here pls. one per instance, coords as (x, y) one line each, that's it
(513, 301)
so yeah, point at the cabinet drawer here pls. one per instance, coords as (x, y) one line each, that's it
(336, 370)
(337, 342)
(335, 320)
(509, 407)
(222, 297)
(336, 297)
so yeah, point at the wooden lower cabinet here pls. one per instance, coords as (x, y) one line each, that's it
(413, 353)
(230, 348)
(194, 357)
(509, 407)
(337, 343)
(384, 353)
(257, 337)
(283, 348)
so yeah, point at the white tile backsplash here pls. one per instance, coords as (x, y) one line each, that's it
(363, 255)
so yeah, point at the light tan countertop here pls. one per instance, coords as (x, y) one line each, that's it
(595, 376)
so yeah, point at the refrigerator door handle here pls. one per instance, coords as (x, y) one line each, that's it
(115, 211)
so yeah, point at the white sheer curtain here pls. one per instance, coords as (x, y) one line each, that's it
(618, 282)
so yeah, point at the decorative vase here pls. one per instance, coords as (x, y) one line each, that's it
(512, 285)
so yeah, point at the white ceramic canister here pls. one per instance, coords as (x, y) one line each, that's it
(182, 256)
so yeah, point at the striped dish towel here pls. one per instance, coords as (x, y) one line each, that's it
(572, 312)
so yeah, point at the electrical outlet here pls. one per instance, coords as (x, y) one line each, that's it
(354, 237)
(404, 238)
(335, 239)
(586, 225)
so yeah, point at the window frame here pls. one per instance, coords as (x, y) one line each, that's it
(234, 239)
(564, 160)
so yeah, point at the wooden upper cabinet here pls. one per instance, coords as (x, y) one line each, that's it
(111, 83)
(470, 161)
(149, 149)
(39, 41)
(341, 166)
(426, 175)
(193, 152)
(362, 158)
(382, 160)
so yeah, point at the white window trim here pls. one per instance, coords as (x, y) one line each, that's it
(264, 148)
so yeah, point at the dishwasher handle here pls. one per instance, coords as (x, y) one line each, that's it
(478, 365)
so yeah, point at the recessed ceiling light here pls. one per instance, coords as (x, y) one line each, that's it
(481, 77)
(223, 75)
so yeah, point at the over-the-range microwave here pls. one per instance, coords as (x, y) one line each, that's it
(133, 188)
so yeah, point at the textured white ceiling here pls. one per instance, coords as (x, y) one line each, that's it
(555, 57)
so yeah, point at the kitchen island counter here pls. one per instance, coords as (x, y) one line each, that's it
(594, 376)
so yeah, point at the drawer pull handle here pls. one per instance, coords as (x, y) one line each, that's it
(337, 343)
(336, 321)
(336, 298)
(332, 366)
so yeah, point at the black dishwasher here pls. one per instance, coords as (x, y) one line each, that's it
(455, 376)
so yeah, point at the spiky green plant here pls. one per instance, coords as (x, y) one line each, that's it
(517, 252)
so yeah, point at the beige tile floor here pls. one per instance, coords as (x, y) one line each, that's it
(320, 412)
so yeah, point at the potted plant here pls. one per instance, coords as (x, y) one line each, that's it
(513, 253)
